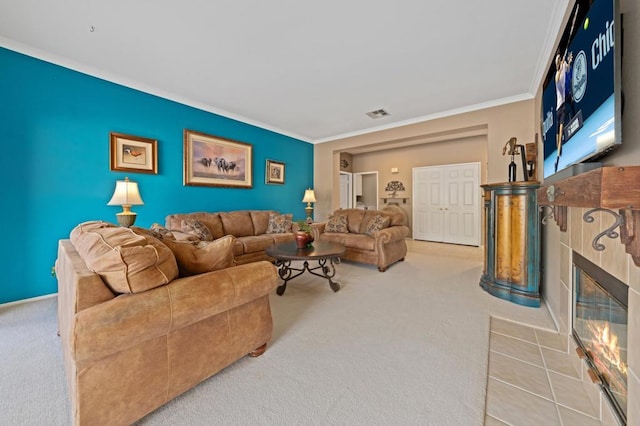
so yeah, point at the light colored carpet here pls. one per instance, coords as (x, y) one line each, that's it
(408, 346)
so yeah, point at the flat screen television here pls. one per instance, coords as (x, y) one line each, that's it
(581, 92)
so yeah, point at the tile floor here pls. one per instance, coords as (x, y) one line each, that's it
(532, 380)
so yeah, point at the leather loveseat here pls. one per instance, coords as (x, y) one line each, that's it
(135, 335)
(375, 237)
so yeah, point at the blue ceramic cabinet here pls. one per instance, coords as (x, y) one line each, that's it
(512, 242)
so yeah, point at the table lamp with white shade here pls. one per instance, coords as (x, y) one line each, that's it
(309, 197)
(126, 195)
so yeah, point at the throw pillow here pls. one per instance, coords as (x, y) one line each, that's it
(377, 223)
(279, 223)
(161, 232)
(126, 261)
(197, 229)
(203, 256)
(337, 223)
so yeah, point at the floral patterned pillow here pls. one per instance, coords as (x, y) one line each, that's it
(377, 223)
(161, 233)
(337, 223)
(197, 229)
(279, 223)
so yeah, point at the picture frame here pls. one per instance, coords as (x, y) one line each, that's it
(214, 161)
(133, 153)
(274, 171)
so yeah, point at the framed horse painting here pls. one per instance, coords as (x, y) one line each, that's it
(215, 161)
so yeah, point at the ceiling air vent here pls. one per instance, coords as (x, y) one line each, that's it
(379, 113)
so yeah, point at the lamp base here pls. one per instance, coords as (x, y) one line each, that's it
(309, 211)
(126, 219)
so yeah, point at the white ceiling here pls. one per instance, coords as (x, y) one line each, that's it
(306, 69)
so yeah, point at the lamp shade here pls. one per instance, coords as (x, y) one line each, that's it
(126, 194)
(309, 196)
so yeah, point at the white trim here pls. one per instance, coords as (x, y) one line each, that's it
(443, 114)
(349, 188)
(549, 45)
(32, 299)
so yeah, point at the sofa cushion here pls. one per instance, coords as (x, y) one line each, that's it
(196, 228)
(376, 223)
(354, 218)
(334, 237)
(279, 223)
(359, 241)
(260, 219)
(127, 262)
(203, 256)
(237, 223)
(337, 223)
(238, 248)
(255, 243)
(282, 238)
(366, 218)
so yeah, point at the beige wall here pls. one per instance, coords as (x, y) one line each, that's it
(465, 150)
(496, 125)
(346, 162)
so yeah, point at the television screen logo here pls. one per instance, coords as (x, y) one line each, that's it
(579, 76)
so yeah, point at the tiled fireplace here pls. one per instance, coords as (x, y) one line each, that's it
(615, 261)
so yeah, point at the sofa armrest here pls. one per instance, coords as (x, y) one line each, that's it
(317, 228)
(392, 233)
(200, 296)
(129, 319)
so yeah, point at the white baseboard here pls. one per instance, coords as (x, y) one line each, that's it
(33, 299)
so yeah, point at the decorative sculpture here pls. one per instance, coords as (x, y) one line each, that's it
(512, 148)
(393, 187)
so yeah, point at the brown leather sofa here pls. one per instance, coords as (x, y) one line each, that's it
(250, 227)
(381, 248)
(134, 335)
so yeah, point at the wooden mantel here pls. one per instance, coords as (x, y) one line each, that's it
(610, 188)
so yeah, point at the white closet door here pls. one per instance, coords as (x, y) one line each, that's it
(447, 203)
(462, 204)
(428, 214)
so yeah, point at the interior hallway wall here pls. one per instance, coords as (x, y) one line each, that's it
(466, 150)
(496, 123)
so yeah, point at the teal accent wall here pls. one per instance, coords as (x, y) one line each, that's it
(54, 167)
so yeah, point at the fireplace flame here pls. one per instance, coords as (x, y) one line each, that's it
(608, 356)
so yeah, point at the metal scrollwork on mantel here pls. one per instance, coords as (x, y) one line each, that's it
(557, 213)
(609, 232)
(546, 217)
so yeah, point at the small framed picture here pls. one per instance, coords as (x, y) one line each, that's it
(215, 161)
(275, 172)
(133, 153)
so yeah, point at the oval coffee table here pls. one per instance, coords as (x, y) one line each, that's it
(326, 253)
